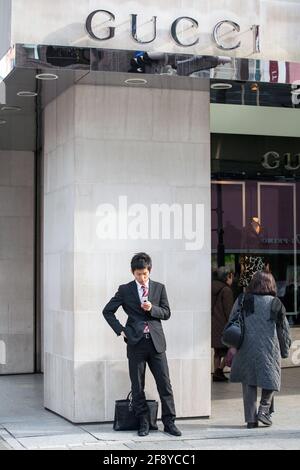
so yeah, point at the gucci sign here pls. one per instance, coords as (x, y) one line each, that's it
(273, 160)
(220, 30)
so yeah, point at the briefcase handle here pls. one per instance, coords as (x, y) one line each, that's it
(129, 398)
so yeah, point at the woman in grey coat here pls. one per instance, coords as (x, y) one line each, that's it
(258, 362)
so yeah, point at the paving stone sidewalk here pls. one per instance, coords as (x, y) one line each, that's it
(25, 424)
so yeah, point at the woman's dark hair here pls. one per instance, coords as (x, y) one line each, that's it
(141, 261)
(262, 283)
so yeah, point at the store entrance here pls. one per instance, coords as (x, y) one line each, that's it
(258, 220)
(256, 192)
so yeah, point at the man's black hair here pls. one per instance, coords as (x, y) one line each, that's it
(141, 261)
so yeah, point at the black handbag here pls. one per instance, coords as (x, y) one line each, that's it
(125, 419)
(233, 334)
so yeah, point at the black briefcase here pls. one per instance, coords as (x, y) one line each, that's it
(125, 419)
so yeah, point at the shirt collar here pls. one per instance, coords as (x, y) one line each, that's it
(140, 285)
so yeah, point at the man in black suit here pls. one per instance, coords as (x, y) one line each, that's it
(146, 304)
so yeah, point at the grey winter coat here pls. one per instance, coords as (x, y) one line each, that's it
(258, 362)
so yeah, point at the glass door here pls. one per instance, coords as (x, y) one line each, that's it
(277, 211)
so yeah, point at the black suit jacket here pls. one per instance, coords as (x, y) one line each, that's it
(128, 298)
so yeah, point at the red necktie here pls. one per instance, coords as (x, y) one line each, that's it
(145, 291)
(145, 294)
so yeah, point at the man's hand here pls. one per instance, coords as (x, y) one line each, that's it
(147, 306)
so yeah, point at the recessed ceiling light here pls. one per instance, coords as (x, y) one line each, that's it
(27, 94)
(2, 122)
(10, 108)
(47, 76)
(221, 86)
(136, 81)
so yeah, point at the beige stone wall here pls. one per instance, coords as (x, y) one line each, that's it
(16, 262)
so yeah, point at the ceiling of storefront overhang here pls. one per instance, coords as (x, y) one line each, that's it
(250, 120)
(111, 68)
(19, 132)
(250, 108)
(252, 93)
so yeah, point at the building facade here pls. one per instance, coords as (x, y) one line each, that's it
(106, 109)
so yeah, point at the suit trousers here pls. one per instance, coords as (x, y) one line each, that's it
(250, 402)
(138, 357)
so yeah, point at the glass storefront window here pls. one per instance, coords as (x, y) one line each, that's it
(255, 201)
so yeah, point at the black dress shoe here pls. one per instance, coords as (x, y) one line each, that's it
(252, 425)
(144, 427)
(172, 429)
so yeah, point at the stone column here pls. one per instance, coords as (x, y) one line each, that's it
(151, 146)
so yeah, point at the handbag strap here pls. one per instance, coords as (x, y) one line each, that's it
(241, 304)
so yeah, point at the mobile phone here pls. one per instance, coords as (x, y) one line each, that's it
(144, 300)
